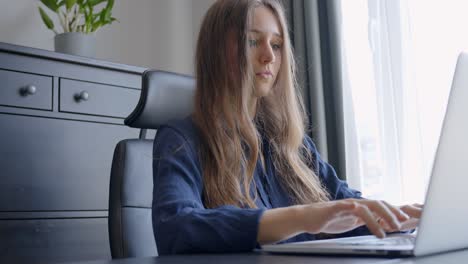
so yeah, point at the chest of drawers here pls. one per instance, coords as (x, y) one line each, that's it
(60, 119)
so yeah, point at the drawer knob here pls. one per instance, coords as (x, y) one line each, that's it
(28, 90)
(83, 96)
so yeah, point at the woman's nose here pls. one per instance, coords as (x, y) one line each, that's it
(267, 55)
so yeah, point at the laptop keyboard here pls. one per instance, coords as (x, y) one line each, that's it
(388, 241)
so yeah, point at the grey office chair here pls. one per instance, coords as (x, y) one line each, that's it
(164, 96)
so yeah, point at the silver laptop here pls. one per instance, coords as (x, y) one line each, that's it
(444, 222)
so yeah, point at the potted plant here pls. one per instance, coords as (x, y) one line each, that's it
(79, 22)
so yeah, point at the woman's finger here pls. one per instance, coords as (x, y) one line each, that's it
(410, 224)
(385, 225)
(401, 215)
(380, 209)
(412, 211)
(363, 212)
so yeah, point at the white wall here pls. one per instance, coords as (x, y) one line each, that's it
(159, 34)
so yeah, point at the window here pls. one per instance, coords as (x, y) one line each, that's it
(398, 59)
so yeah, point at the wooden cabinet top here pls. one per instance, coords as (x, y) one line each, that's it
(40, 53)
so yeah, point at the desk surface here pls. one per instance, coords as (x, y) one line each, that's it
(260, 258)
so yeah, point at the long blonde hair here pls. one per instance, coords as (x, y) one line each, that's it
(230, 137)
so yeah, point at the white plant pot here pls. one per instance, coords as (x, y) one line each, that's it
(76, 43)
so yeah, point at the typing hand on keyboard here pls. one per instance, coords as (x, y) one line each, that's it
(344, 215)
(414, 211)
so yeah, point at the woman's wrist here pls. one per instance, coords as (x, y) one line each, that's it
(298, 218)
(281, 223)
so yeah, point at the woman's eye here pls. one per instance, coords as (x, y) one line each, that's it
(253, 42)
(276, 47)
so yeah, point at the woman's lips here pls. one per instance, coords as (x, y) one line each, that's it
(265, 74)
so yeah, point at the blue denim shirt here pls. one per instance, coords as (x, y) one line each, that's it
(182, 224)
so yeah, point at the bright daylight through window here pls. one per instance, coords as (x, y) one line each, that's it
(398, 59)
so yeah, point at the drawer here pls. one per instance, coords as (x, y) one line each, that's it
(53, 240)
(25, 90)
(97, 99)
(56, 165)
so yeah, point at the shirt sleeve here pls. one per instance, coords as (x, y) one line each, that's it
(181, 223)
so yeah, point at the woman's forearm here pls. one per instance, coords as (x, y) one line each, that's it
(280, 224)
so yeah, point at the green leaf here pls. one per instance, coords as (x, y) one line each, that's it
(61, 3)
(51, 4)
(90, 8)
(70, 4)
(88, 19)
(95, 2)
(112, 19)
(105, 15)
(96, 25)
(108, 12)
(81, 10)
(110, 4)
(47, 21)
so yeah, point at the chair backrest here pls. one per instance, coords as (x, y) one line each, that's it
(164, 96)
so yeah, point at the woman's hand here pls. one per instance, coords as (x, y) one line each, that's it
(414, 211)
(344, 215)
(337, 217)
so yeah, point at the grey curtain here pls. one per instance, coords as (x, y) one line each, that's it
(314, 27)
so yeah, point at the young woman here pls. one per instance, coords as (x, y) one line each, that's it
(240, 172)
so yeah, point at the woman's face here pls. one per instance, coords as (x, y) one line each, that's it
(265, 49)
